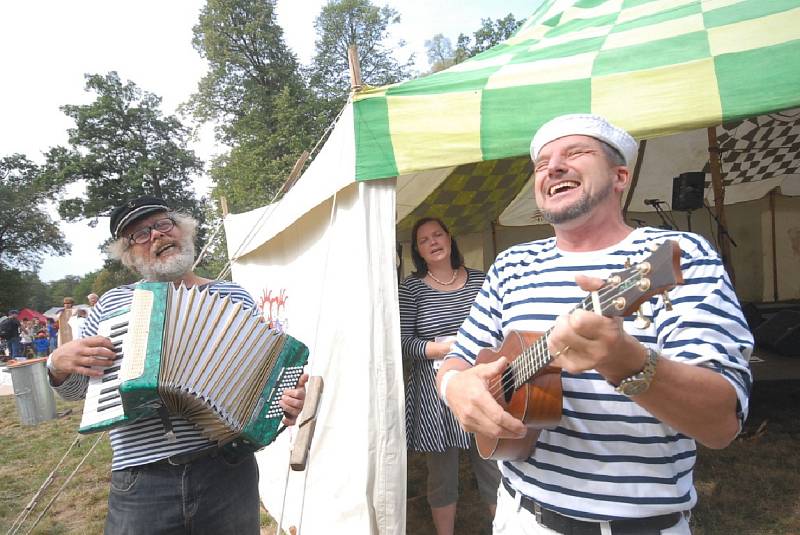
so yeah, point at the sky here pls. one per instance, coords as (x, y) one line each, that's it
(48, 45)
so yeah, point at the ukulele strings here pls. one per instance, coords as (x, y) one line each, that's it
(539, 351)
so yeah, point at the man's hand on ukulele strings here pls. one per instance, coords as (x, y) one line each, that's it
(471, 396)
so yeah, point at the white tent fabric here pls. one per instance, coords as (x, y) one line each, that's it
(329, 172)
(330, 289)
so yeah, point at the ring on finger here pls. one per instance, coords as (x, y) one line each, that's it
(561, 351)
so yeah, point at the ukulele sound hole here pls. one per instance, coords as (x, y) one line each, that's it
(508, 385)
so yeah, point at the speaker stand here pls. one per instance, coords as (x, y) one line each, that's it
(720, 226)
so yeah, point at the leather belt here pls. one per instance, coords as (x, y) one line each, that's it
(191, 456)
(570, 526)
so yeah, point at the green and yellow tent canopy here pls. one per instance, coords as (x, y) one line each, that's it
(655, 67)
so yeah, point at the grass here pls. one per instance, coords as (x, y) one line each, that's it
(750, 488)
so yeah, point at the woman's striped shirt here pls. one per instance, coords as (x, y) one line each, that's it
(426, 313)
(608, 457)
(144, 441)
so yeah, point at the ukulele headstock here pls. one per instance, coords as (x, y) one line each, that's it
(626, 290)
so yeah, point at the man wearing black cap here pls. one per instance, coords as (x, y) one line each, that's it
(161, 484)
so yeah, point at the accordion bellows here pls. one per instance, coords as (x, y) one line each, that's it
(198, 355)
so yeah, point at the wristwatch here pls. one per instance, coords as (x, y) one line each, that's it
(638, 383)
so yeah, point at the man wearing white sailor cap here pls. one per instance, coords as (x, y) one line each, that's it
(636, 395)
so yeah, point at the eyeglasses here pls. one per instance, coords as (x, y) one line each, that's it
(143, 234)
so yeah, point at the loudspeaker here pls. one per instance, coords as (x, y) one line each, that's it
(687, 191)
(781, 333)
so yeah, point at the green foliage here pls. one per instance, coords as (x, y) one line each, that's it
(493, 32)
(66, 287)
(122, 146)
(27, 232)
(22, 289)
(112, 275)
(256, 95)
(342, 23)
(441, 54)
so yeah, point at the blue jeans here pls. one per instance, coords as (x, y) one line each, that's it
(15, 347)
(213, 496)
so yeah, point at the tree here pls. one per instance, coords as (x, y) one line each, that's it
(342, 23)
(22, 289)
(255, 94)
(440, 53)
(112, 275)
(493, 32)
(27, 232)
(122, 147)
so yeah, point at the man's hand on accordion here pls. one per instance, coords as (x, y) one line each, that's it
(292, 401)
(78, 356)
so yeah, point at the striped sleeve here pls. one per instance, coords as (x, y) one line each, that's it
(706, 326)
(411, 345)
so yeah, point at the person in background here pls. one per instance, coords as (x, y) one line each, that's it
(41, 344)
(434, 301)
(76, 323)
(64, 331)
(26, 334)
(91, 299)
(637, 395)
(9, 330)
(161, 482)
(52, 333)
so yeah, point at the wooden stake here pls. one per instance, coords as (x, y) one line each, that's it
(774, 245)
(355, 67)
(295, 173)
(223, 202)
(306, 423)
(719, 202)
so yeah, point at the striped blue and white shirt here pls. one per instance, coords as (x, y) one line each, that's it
(608, 457)
(144, 441)
(426, 313)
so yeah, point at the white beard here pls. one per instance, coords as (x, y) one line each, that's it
(170, 268)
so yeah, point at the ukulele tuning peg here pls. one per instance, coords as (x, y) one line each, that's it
(667, 302)
(641, 321)
(628, 263)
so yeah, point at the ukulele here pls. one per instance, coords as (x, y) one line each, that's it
(530, 388)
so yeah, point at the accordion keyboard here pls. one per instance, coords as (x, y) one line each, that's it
(103, 402)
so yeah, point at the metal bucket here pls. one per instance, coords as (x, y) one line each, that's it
(35, 400)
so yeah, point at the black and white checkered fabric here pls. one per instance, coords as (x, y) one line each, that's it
(758, 148)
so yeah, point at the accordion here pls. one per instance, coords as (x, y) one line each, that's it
(195, 354)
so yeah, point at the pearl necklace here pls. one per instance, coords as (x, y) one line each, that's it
(448, 283)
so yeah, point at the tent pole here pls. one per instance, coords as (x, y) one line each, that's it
(774, 246)
(355, 68)
(719, 202)
(494, 241)
(634, 179)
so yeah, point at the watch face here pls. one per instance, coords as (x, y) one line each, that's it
(634, 387)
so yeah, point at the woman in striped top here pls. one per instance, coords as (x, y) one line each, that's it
(434, 301)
